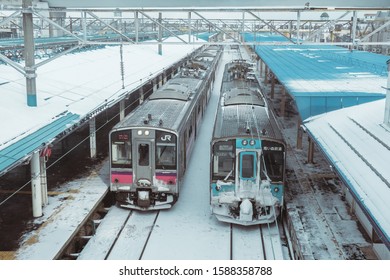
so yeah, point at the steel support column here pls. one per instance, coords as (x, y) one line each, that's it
(353, 31)
(36, 188)
(141, 95)
(272, 85)
(121, 109)
(136, 23)
(155, 84)
(299, 134)
(164, 76)
(310, 152)
(189, 27)
(159, 34)
(298, 26)
(42, 161)
(283, 103)
(92, 137)
(29, 54)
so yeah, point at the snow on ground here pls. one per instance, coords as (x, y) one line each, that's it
(64, 213)
(188, 231)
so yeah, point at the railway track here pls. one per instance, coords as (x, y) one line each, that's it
(132, 235)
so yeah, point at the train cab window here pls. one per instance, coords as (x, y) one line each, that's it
(165, 150)
(274, 165)
(143, 154)
(273, 161)
(120, 150)
(223, 160)
(166, 156)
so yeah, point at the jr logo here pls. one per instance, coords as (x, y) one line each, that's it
(166, 137)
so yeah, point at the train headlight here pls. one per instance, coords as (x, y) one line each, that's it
(252, 142)
(146, 132)
(218, 188)
(139, 132)
(244, 142)
(276, 189)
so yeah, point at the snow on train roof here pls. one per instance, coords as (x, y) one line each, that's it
(233, 121)
(76, 85)
(357, 144)
(237, 96)
(182, 88)
(164, 113)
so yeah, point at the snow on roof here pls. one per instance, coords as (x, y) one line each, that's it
(325, 78)
(77, 84)
(357, 145)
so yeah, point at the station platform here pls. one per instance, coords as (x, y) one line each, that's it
(68, 95)
(356, 143)
(63, 216)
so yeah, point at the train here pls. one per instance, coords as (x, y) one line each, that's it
(248, 152)
(151, 147)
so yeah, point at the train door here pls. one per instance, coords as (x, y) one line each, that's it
(247, 173)
(144, 160)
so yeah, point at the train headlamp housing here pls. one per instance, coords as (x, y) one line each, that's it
(139, 132)
(276, 189)
(244, 142)
(146, 132)
(252, 142)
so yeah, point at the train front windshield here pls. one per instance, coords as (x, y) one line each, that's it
(223, 160)
(121, 149)
(273, 161)
(165, 150)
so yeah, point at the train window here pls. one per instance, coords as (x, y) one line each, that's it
(166, 156)
(274, 163)
(143, 154)
(121, 150)
(273, 160)
(247, 166)
(223, 160)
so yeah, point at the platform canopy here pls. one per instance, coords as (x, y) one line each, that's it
(231, 4)
(21, 150)
(357, 145)
(323, 78)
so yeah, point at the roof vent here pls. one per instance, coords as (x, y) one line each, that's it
(160, 122)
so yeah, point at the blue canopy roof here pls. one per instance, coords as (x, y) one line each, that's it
(20, 150)
(323, 78)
